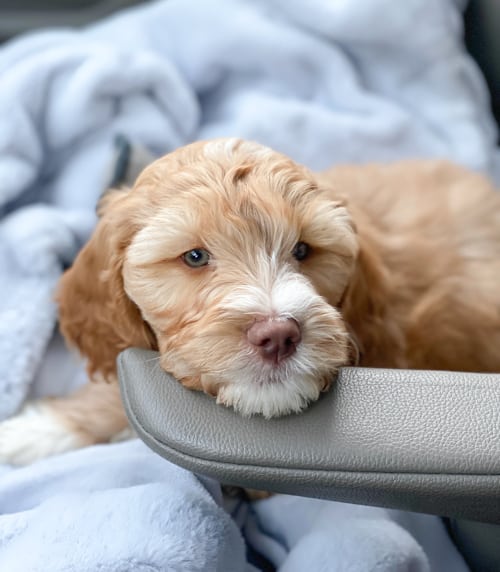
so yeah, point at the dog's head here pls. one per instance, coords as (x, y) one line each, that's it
(230, 260)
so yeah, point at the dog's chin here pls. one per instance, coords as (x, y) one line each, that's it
(268, 399)
(274, 392)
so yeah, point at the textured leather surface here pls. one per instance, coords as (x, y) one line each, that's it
(418, 440)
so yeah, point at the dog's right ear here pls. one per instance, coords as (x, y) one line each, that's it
(96, 315)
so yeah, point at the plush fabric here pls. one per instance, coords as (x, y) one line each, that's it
(114, 508)
(289, 530)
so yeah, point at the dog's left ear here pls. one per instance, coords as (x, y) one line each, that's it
(96, 315)
(365, 301)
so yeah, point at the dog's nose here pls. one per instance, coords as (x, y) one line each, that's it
(275, 340)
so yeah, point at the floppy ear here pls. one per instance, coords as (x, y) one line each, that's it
(366, 301)
(96, 315)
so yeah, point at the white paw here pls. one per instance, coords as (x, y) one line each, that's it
(33, 434)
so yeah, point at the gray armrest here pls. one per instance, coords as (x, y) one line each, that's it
(416, 440)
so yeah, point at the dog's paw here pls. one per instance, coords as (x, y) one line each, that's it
(33, 434)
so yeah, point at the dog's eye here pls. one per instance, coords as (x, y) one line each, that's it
(196, 257)
(301, 250)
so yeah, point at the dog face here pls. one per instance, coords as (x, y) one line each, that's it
(235, 263)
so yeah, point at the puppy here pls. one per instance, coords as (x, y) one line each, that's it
(256, 279)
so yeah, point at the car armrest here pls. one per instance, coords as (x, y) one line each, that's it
(424, 441)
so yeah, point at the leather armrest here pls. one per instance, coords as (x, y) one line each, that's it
(416, 440)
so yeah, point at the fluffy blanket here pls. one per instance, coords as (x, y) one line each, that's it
(114, 508)
(325, 82)
(121, 508)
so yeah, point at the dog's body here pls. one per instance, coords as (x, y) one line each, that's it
(426, 292)
(256, 280)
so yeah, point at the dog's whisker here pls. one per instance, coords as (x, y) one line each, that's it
(153, 359)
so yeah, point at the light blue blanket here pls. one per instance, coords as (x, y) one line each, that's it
(114, 508)
(325, 82)
(121, 508)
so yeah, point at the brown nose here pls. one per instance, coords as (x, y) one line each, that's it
(275, 340)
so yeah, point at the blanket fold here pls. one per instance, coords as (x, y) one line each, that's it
(114, 508)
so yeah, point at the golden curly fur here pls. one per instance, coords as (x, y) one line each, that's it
(402, 271)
